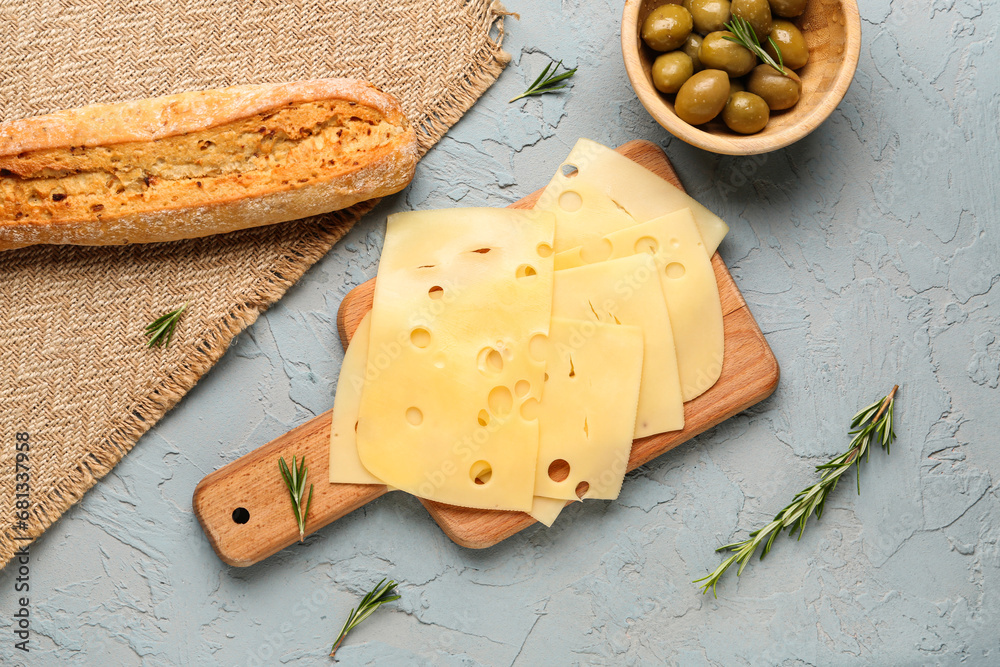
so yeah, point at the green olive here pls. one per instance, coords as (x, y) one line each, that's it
(794, 52)
(666, 27)
(780, 91)
(691, 46)
(736, 86)
(708, 15)
(671, 70)
(787, 8)
(717, 52)
(745, 113)
(702, 97)
(757, 13)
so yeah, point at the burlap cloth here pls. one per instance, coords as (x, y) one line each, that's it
(74, 371)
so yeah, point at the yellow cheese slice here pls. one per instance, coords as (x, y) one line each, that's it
(607, 192)
(345, 464)
(628, 291)
(460, 295)
(546, 510)
(689, 286)
(587, 414)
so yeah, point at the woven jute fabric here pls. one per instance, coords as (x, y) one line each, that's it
(75, 374)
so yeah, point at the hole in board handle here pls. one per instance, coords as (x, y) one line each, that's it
(241, 515)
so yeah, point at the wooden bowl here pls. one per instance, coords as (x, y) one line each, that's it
(832, 30)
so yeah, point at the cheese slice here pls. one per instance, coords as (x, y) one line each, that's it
(546, 510)
(627, 291)
(345, 464)
(689, 286)
(460, 295)
(587, 414)
(607, 192)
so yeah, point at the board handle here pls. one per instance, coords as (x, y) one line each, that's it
(244, 507)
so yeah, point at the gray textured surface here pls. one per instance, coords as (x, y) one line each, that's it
(868, 253)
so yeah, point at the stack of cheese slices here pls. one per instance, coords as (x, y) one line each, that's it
(511, 356)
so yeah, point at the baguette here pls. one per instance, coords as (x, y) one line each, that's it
(200, 163)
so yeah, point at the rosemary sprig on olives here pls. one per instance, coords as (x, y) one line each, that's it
(744, 35)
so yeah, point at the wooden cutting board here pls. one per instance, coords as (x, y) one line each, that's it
(244, 507)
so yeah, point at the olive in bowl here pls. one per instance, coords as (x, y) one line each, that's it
(780, 91)
(671, 70)
(702, 97)
(794, 52)
(708, 15)
(666, 27)
(718, 51)
(745, 113)
(755, 12)
(692, 45)
(788, 8)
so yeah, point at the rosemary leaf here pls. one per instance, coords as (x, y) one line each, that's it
(375, 598)
(744, 35)
(546, 83)
(295, 479)
(161, 330)
(873, 423)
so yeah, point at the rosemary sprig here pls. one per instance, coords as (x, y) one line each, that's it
(376, 597)
(295, 480)
(744, 35)
(546, 83)
(161, 331)
(872, 423)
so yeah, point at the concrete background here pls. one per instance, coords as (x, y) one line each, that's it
(868, 253)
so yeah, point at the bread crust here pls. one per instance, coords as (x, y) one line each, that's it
(236, 200)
